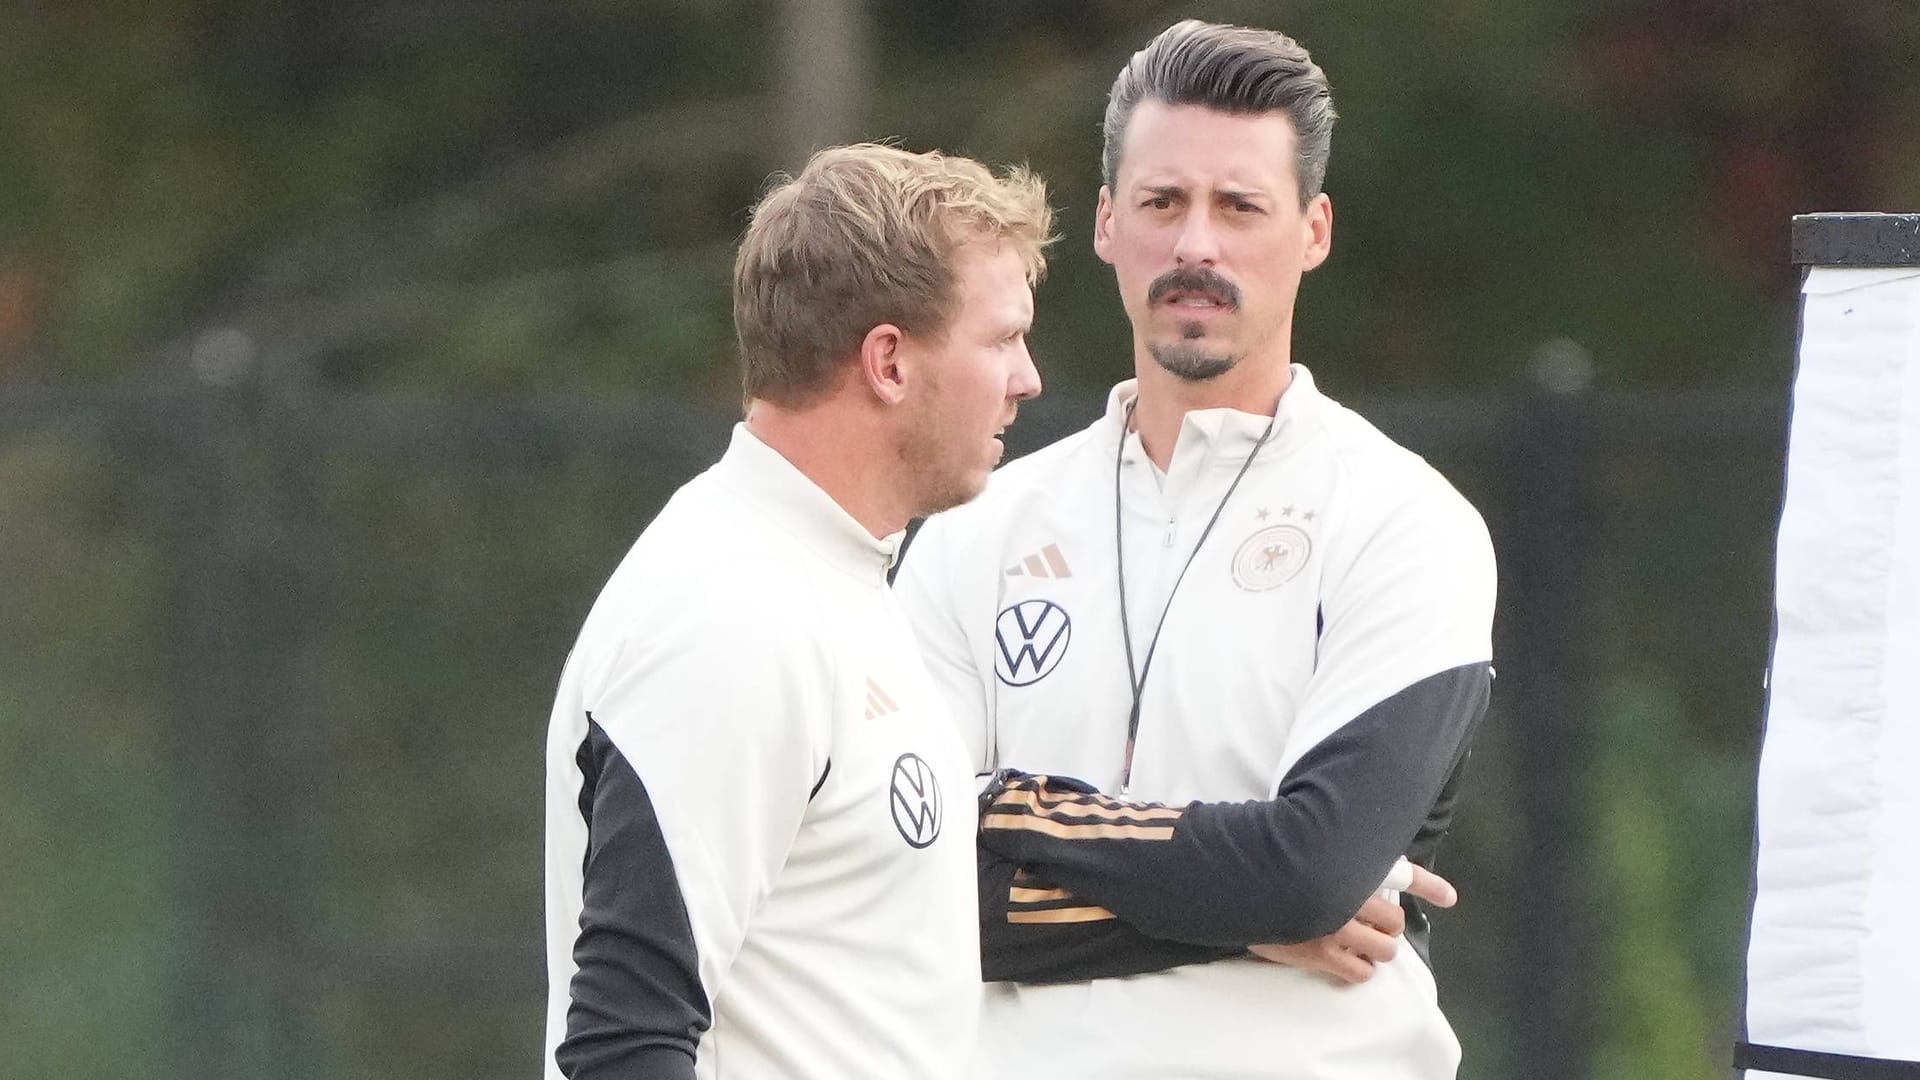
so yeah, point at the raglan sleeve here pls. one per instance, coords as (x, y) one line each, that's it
(941, 601)
(703, 745)
(1402, 678)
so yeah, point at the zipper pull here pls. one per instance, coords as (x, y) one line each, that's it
(1171, 530)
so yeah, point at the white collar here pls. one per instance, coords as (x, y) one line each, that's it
(1227, 436)
(777, 488)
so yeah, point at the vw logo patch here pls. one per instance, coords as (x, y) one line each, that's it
(1032, 637)
(1271, 557)
(916, 801)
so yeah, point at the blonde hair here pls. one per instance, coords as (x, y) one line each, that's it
(866, 235)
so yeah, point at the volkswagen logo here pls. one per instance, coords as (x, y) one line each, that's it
(1032, 637)
(916, 801)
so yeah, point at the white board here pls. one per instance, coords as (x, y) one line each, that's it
(1833, 959)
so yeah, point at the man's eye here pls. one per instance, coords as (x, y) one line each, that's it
(1160, 203)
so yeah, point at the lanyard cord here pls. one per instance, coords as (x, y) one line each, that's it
(1138, 678)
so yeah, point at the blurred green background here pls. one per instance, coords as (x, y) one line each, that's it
(344, 347)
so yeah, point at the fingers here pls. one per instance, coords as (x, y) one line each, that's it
(1383, 915)
(1348, 968)
(1433, 888)
(1367, 943)
(1325, 955)
(1276, 954)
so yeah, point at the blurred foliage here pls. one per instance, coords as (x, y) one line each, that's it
(477, 199)
(85, 900)
(1671, 837)
(455, 594)
(498, 196)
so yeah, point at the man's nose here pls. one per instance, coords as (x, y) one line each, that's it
(1025, 383)
(1199, 240)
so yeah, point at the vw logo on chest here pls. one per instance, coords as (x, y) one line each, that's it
(1032, 638)
(915, 800)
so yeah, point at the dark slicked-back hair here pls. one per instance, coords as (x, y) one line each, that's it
(1234, 69)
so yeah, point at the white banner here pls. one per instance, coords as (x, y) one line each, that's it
(1833, 961)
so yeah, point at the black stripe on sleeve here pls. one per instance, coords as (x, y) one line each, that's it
(1048, 952)
(1822, 1066)
(822, 782)
(1289, 869)
(638, 1008)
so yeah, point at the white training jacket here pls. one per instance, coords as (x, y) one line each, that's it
(1326, 656)
(759, 820)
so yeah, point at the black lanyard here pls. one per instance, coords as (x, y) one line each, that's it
(1138, 678)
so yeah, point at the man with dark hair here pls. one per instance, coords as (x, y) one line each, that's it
(1219, 654)
(759, 847)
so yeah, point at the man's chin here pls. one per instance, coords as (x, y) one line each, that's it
(970, 488)
(1193, 361)
(959, 491)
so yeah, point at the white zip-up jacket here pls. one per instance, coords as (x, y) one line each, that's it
(760, 853)
(1303, 723)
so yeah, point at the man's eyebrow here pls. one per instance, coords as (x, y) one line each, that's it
(1170, 191)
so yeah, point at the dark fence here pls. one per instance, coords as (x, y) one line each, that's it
(276, 659)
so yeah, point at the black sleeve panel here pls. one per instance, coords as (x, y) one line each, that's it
(1290, 869)
(1033, 931)
(1425, 849)
(638, 1007)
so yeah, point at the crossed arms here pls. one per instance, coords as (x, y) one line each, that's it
(1075, 885)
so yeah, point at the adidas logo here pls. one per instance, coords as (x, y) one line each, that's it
(1046, 563)
(878, 703)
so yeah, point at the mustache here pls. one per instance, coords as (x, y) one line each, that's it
(1202, 281)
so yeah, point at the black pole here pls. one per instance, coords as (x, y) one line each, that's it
(1543, 564)
(238, 525)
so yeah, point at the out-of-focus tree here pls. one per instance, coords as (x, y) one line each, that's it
(501, 196)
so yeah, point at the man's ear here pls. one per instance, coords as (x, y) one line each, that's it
(884, 365)
(1103, 225)
(1319, 226)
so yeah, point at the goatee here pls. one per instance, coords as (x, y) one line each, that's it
(1191, 362)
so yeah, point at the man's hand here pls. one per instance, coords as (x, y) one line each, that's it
(1350, 953)
(1431, 887)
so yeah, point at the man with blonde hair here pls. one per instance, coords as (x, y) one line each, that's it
(759, 824)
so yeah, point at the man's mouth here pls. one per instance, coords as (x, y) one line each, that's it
(999, 439)
(1194, 291)
(1197, 301)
